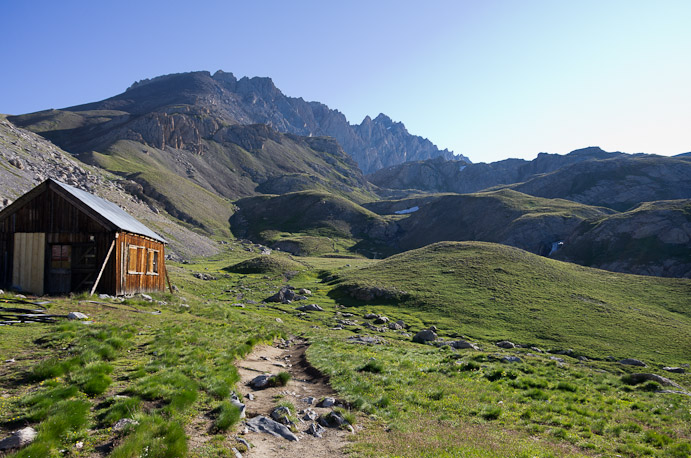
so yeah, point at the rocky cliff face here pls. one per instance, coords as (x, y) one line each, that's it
(652, 239)
(504, 216)
(375, 143)
(590, 176)
(620, 182)
(185, 129)
(458, 175)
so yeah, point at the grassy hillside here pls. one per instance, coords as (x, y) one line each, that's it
(309, 213)
(177, 367)
(181, 197)
(505, 216)
(266, 265)
(494, 292)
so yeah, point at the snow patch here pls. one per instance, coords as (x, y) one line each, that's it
(407, 210)
(462, 168)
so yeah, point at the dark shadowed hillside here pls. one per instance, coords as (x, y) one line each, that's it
(438, 175)
(505, 216)
(590, 176)
(620, 183)
(652, 239)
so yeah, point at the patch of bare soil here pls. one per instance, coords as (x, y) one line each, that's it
(305, 382)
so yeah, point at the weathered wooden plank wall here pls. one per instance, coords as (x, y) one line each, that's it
(140, 278)
(29, 262)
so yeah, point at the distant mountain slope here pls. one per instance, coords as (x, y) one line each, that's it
(224, 99)
(438, 175)
(493, 292)
(188, 155)
(28, 159)
(504, 216)
(652, 239)
(620, 183)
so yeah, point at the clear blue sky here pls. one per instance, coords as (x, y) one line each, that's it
(489, 79)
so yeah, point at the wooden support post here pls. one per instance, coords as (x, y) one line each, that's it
(170, 287)
(103, 267)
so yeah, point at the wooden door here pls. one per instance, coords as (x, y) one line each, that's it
(60, 269)
(29, 261)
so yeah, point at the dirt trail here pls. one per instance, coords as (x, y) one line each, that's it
(305, 382)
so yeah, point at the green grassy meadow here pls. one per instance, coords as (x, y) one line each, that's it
(173, 372)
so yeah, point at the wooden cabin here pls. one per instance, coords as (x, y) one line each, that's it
(58, 239)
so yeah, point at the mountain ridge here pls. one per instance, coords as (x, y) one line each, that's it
(374, 143)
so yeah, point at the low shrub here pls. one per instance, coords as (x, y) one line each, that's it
(49, 368)
(383, 402)
(656, 439)
(566, 386)
(491, 412)
(122, 408)
(228, 416)
(374, 366)
(537, 394)
(280, 379)
(469, 366)
(154, 437)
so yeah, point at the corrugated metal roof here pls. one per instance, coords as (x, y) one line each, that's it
(111, 212)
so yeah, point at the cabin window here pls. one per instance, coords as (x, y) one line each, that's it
(60, 256)
(152, 262)
(135, 259)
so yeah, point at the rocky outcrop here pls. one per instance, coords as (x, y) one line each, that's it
(590, 176)
(620, 182)
(653, 239)
(19, 439)
(459, 175)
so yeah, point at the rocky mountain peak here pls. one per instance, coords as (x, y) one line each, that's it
(383, 119)
(375, 143)
(591, 151)
(223, 99)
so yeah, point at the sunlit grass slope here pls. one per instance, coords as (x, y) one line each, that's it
(493, 292)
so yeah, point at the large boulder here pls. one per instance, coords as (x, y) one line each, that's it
(260, 381)
(428, 335)
(76, 316)
(463, 344)
(632, 362)
(333, 419)
(262, 424)
(310, 308)
(327, 402)
(282, 415)
(283, 295)
(124, 423)
(511, 359)
(635, 379)
(19, 439)
(675, 370)
(506, 344)
(315, 430)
